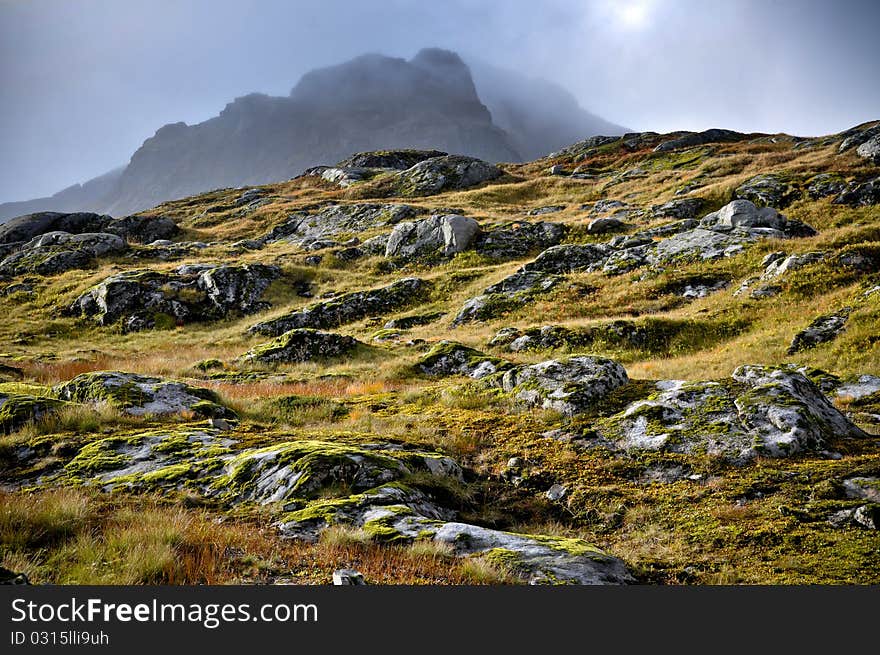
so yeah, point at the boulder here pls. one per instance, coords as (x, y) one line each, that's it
(141, 395)
(517, 239)
(137, 228)
(605, 225)
(391, 159)
(348, 307)
(407, 322)
(446, 235)
(778, 266)
(569, 386)
(862, 488)
(451, 358)
(821, 330)
(860, 194)
(767, 190)
(760, 411)
(858, 136)
(825, 185)
(334, 219)
(787, 413)
(302, 345)
(55, 252)
(682, 208)
(691, 139)
(144, 299)
(744, 214)
(18, 409)
(511, 292)
(449, 173)
(569, 259)
(870, 149)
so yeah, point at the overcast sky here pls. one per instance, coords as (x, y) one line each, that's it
(84, 82)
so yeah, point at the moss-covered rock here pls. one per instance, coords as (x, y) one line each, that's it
(451, 358)
(17, 409)
(302, 345)
(141, 395)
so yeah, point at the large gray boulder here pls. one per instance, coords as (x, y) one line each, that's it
(743, 213)
(569, 386)
(767, 190)
(446, 235)
(348, 307)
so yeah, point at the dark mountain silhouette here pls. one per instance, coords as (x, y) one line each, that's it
(368, 103)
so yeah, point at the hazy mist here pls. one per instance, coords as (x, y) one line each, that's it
(86, 81)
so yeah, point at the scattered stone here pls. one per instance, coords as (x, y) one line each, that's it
(407, 322)
(343, 577)
(56, 252)
(556, 492)
(861, 387)
(605, 225)
(549, 209)
(348, 307)
(821, 330)
(870, 149)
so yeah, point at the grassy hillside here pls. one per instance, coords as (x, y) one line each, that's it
(672, 517)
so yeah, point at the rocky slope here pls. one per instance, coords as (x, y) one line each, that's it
(641, 359)
(370, 102)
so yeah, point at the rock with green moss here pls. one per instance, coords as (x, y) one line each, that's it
(302, 345)
(158, 459)
(863, 488)
(569, 386)
(141, 395)
(760, 411)
(348, 307)
(451, 358)
(18, 409)
(518, 239)
(305, 469)
(145, 299)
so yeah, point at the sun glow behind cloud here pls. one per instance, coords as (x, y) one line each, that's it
(630, 15)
